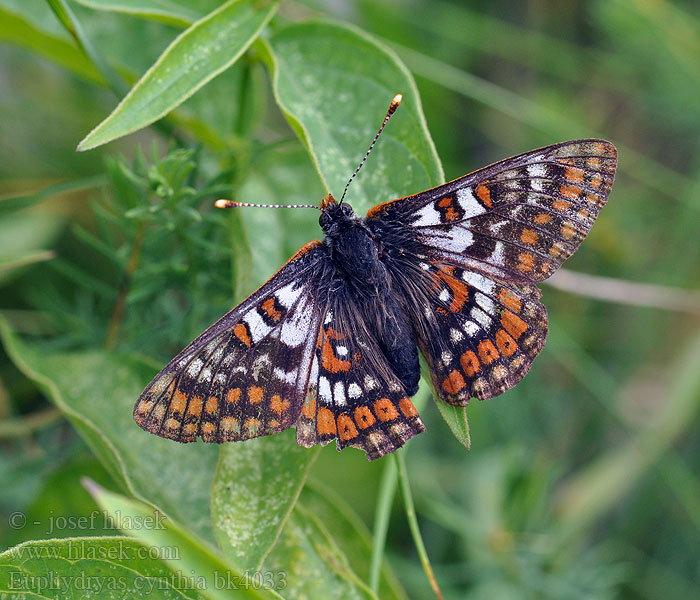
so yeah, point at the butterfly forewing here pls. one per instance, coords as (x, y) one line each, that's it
(519, 218)
(247, 375)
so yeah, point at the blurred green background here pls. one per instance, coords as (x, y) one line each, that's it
(582, 482)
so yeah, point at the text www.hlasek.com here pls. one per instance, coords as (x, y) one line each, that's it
(85, 550)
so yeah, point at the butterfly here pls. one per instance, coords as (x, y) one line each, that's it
(330, 344)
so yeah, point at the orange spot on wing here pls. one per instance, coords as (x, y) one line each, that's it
(278, 404)
(179, 402)
(346, 428)
(527, 261)
(560, 205)
(190, 428)
(145, 406)
(570, 192)
(242, 334)
(513, 324)
(385, 409)
(364, 417)
(172, 423)
(460, 292)
(528, 236)
(407, 408)
(505, 343)
(453, 383)
(209, 428)
(451, 214)
(593, 163)
(212, 404)
(233, 395)
(567, 230)
(309, 408)
(195, 407)
(325, 423)
(252, 423)
(574, 175)
(229, 423)
(269, 307)
(470, 363)
(484, 194)
(255, 394)
(330, 361)
(542, 219)
(487, 352)
(509, 299)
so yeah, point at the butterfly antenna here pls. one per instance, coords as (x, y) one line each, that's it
(223, 203)
(392, 109)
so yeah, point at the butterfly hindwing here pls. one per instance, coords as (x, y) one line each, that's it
(521, 217)
(479, 336)
(246, 375)
(354, 397)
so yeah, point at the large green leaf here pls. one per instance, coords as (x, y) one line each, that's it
(334, 84)
(255, 489)
(97, 390)
(199, 54)
(101, 568)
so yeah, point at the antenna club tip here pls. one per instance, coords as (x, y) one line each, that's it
(223, 203)
(396, 100)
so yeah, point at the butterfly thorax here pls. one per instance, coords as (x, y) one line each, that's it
(361, 273)
(353, 249)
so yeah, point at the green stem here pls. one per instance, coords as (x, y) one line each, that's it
(385, 498)
(413, 522)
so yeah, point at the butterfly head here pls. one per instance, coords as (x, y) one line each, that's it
(335, 216)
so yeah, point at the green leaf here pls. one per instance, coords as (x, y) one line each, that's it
(175, 12)
(456, 418)
(97, 390)
(334, 84)
(195, 57)
(184, 553)
(255, 488)
(100, 568)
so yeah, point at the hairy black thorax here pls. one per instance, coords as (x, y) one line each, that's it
(361, 273)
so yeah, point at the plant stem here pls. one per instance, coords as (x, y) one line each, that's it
(413, 522)
(120, 304)
(385, 498)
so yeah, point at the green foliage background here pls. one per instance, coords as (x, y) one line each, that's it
(582, 482)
